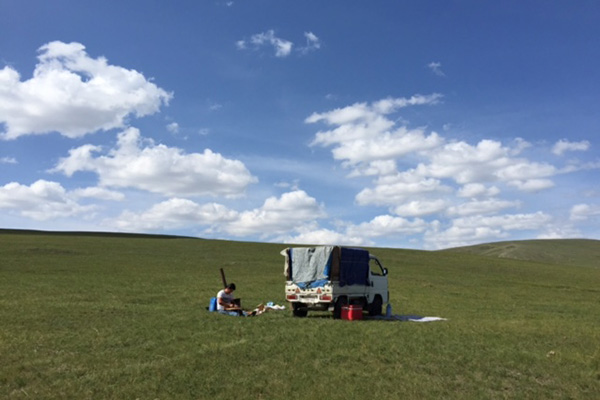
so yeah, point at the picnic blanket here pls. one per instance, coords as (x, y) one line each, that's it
(411, 318)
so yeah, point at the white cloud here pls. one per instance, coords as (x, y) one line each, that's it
(74, 94)
(8, 160)
(294, 185)
(559, 232)
(481, 207)
(364, 135)
(436, 68)
(417, 173)
(488, 161)
(326, 237)
(508, 222)
(42, 200)
(312, 43)
(282, 47)
(277, 215)
(387, 225)
(174, 213)
(357, 234)
(519, 146)
(362, 112)
(583, 212)
(520, 170)
(173, 127)
(564, 145)
(465, 163)
(98, 193)
(396, 189)
(476, 229)
(419, 208)
(214, 106)
(141, 164)
(532, 185)
(478, 190)
(290, 212)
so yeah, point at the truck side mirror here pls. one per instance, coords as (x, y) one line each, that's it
(385, 271)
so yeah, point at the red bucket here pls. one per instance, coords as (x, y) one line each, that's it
(352, 312)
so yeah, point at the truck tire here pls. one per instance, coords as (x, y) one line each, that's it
(337, 308)
(299, 310)
(375, 307)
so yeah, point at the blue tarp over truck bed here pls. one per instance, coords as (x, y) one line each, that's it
(314, 266)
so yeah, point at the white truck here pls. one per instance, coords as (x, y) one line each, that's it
(327, 278)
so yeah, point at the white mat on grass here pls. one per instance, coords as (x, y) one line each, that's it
(412, 318)
(427, 319)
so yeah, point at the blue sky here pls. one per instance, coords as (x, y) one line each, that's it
(423, 125)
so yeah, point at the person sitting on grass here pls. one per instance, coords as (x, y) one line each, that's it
(226, 302)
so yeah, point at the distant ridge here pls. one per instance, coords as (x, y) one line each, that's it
(91, 233)
(576, 252)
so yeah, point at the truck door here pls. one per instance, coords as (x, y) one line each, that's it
(378, 279)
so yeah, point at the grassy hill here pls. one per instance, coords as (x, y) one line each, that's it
(577, 252)
(106, 316)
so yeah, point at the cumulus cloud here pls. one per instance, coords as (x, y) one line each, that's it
(418, 173)
(397, 189)
(564, 145)
(363, 135)
(531, 185)
(387, 225)
(359, 234)
(278, 215)
(291, 211)
(478, 229)
(174, 213)
(141, 164)
(74, 94)
(42, 200)
(478, 190)
(366, 139)
(420, 208)
(98, 193)
(326, 237)
(487, 161)
(583, 212)
(480, 207)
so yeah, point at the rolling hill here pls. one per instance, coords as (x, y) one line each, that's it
(576, 252)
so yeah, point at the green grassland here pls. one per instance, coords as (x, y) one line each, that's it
(92, 316)
(577, 252)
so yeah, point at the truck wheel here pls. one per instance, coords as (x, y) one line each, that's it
(375, 307)
(299, 310)
(337, 308)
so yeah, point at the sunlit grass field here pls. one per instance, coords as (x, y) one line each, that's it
(90, 316)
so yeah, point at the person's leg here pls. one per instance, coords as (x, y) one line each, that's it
(232, 313)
